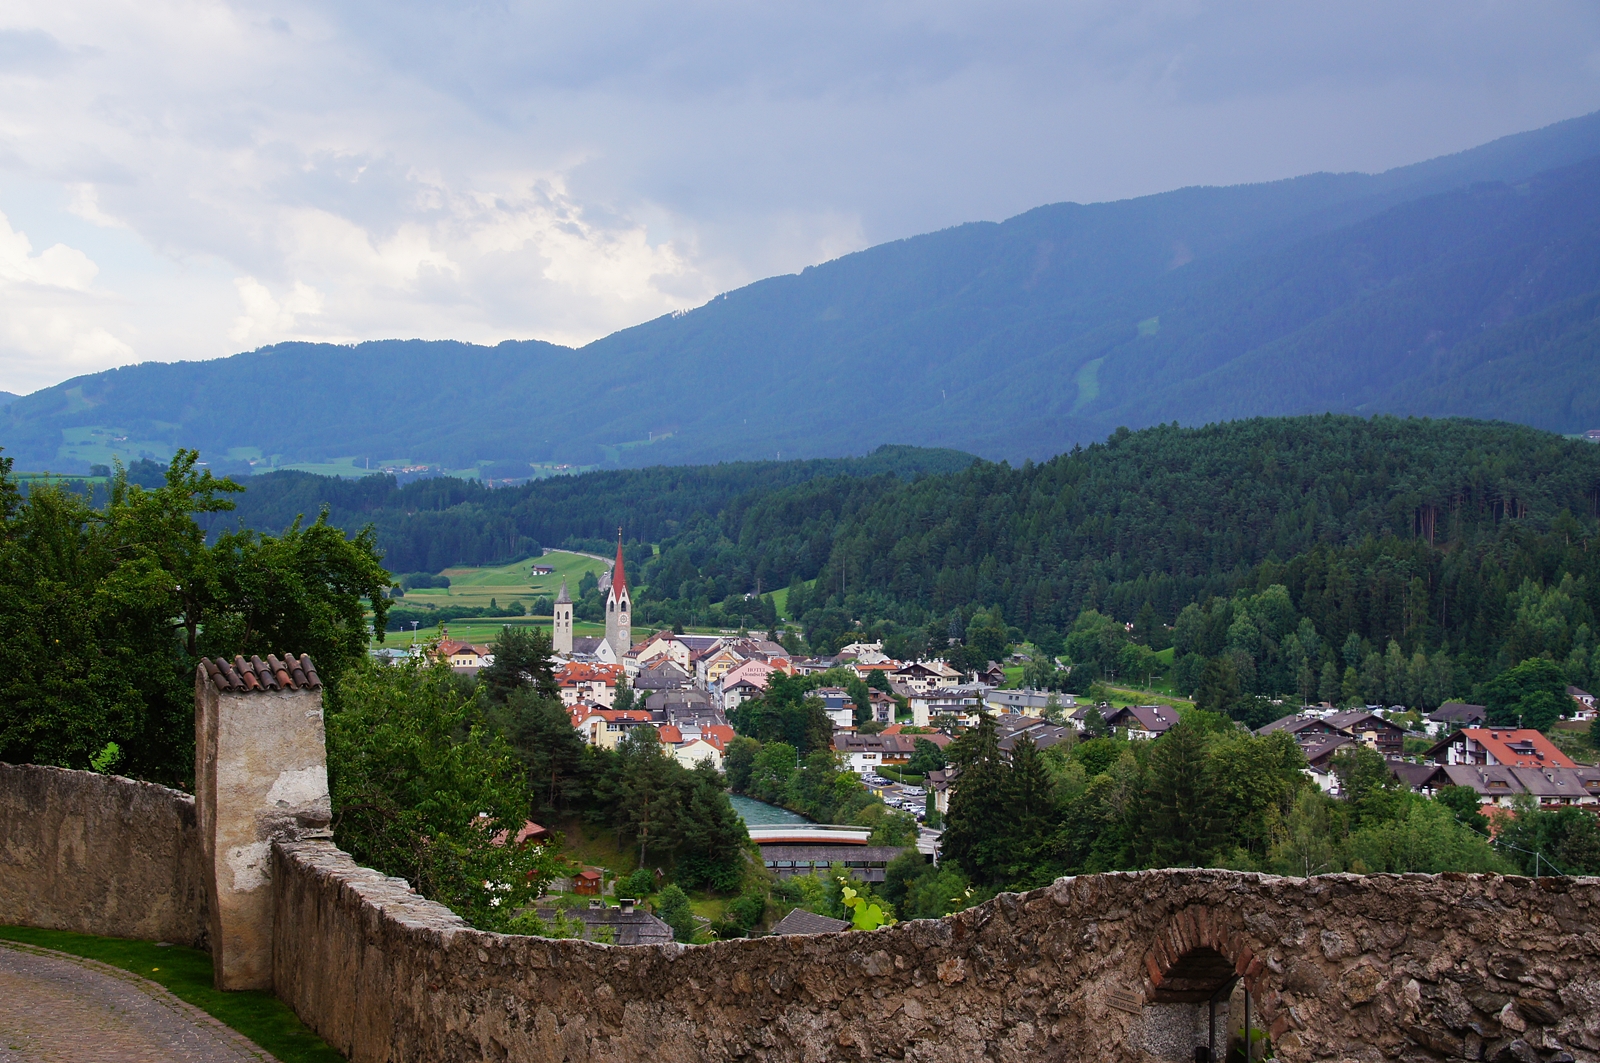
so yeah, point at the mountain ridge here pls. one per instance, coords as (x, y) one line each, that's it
(1009, 339)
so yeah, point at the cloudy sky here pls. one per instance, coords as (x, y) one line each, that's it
(188, 179)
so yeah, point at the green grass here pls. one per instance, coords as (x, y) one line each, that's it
(597, 846)
(780, 599)
(186, 974)
(1013, 675)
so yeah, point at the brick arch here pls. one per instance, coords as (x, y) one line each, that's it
(1196, 954)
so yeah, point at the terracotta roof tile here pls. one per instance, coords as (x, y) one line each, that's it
(240, 676)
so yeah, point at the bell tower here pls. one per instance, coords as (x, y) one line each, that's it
(561, 636)
(619, 621)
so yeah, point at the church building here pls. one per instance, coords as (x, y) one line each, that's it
(561, 636)
(619, 621)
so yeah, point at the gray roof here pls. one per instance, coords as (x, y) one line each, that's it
(1361, 719)
(1451, 711)
(678, 699)
(1296, 723)
(637, 927)
(801, 921)
(563, 598)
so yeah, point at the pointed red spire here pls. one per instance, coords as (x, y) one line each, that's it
(619, 578)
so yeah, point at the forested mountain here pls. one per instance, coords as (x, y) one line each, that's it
(428, 525)
(1461, 286)
(1468, 539)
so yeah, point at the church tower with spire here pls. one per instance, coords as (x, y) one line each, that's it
(561, 637)
(619, 622)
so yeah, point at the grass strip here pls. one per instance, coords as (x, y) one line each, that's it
(186, 974)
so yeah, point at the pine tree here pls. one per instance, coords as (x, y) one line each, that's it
(1180, 820)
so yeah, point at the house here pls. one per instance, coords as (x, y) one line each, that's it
(541, 570)
(839, 706)
(740, 692)
(1079, 717)
(598, 650)
(587, 882)
(1585, 703)
(801, 921)
(604, 728)
(813, 665)
(1028, 701)
(922, 676)
(963, 702)
(864, 753)
(592, 683)
(1454, 714)
(529, 833)
(663, 646)
(689, 753)
(938, 782)
(687, 701)
(990, 675)
(660, 674)
(1304, 727)
(711, 667)
(1499, 746)
(1144, 721)
(1044, 735)
(1371, 730)
(1319, 749)
(1424, 779)
(464, 657)
(883, 706)
(745, 680)
(625, 924)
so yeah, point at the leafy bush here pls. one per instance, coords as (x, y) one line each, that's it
(672, 907)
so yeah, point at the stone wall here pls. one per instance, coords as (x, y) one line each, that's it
(1411, 967)
(99, 854)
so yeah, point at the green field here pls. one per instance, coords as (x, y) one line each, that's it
(502, 585)
(508, 583)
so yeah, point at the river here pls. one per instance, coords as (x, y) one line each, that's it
(760, 814)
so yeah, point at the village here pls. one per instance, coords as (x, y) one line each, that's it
(685, 686)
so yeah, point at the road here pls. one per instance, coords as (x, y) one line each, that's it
(55, 1007)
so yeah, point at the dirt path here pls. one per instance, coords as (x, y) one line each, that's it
(56, 1008)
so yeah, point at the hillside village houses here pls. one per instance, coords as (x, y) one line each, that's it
(684, 686)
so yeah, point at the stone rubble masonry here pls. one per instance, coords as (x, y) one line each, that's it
(99, 854)
(260, 773)
(1341, 967)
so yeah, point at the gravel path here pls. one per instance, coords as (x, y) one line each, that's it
(56, 1008)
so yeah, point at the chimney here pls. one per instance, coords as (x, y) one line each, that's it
(627, 905)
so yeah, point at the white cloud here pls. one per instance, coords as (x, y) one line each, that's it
(267, 317)
(51, 315)
(58, 266)
(246, 171)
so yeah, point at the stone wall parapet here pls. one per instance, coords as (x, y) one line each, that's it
(1370, 967)
(100, 854)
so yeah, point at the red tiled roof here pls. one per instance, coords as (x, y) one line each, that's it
(240, 676)
(1500, 740)
(581, 672)
(670, 735)
(718, 734)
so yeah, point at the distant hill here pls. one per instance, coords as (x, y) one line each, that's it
(431, 524)
(1467, 285)
(6, 398)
